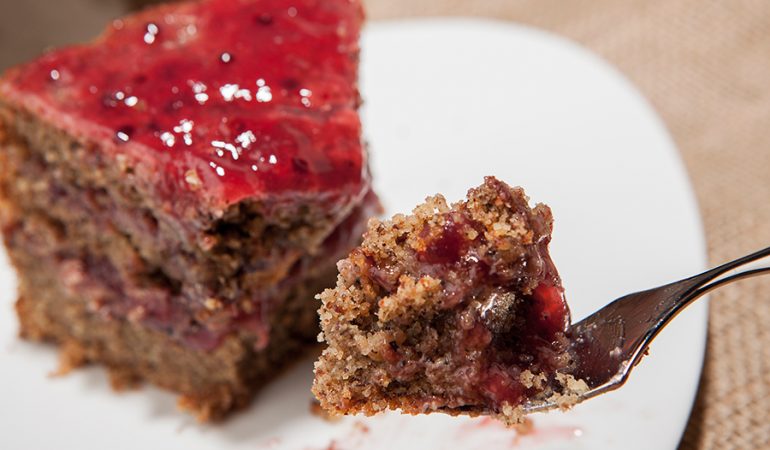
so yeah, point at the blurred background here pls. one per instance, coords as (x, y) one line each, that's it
(705, 67)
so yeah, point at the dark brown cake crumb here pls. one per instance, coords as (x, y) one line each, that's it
(451, 309)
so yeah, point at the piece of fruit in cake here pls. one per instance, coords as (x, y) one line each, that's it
(451, 309)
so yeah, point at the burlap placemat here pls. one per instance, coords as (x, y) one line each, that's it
(705, 66)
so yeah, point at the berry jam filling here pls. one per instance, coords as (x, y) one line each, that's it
(228, 99)
(502, 314)
(156, 302)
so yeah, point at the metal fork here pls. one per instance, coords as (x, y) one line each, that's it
(609, 343)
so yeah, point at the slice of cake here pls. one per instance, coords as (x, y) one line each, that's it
(175, 193)
(452, 309)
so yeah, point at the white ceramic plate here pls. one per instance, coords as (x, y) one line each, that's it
(447, 102)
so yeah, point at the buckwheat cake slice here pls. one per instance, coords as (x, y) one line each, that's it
(451, 309)
(173, 194)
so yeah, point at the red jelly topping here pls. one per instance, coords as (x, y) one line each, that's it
(229, 99)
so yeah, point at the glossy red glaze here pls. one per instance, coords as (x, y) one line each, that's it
(230, 99)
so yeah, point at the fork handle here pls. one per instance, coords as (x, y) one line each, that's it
(624, 328)
(699, 284)
(701, 291)
(682, 293)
